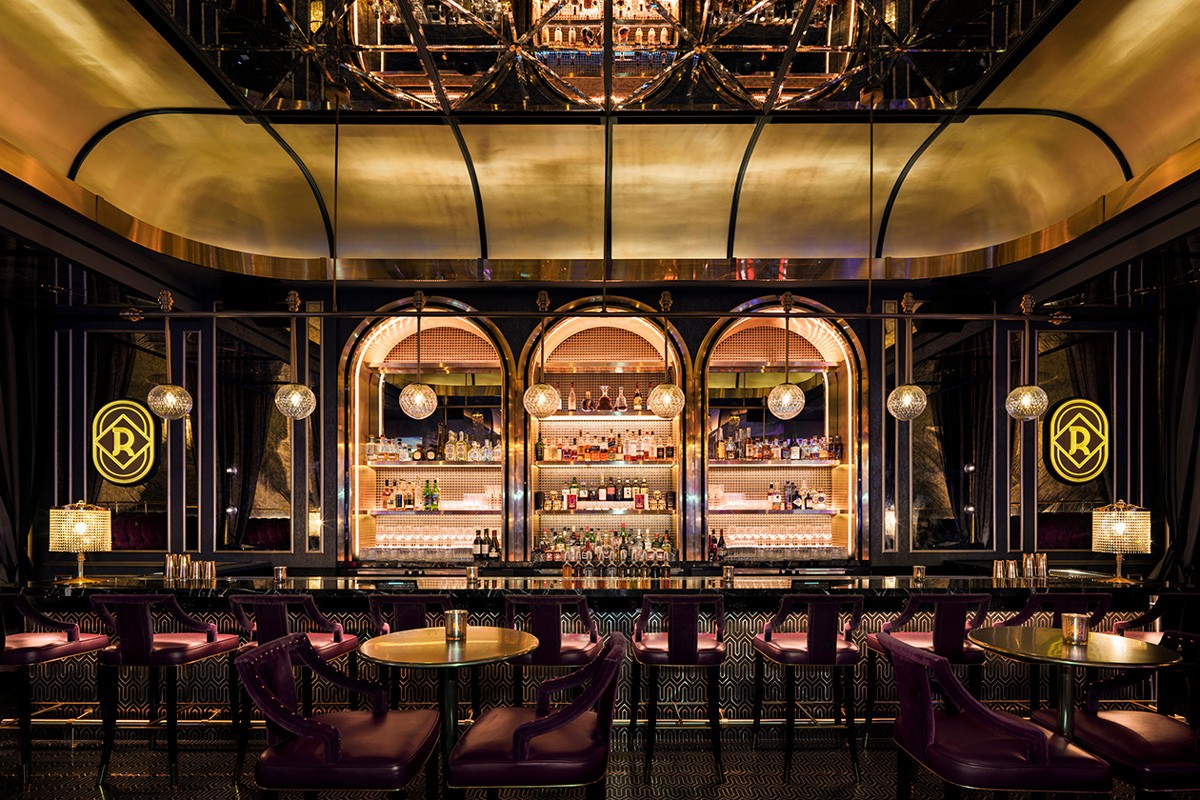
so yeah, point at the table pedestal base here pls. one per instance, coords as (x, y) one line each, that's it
(1066, 702)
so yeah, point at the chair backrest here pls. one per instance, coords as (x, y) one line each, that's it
(546, 614)
(14, 602)
(954, 615)
(823, 613)
(1094, 604)
(267, 675)
(682, 622)
(131, 616)
(271, 615)
(404, 612)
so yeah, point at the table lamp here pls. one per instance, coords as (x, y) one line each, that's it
(1120, 528)
(80, 528)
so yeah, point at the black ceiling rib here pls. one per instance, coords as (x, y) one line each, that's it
(156, 14)
(1087, 125)
(785, 65)
(99, 136)
(417, 34)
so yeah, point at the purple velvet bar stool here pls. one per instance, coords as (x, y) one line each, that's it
(1152, 752)
(824, 642)
(536, 747)
(1094, 604)
(405, 612)
(681, 644)
(555, 648)
(1176, 611)
(967, 745)
(376, 750)
(139, 644)
(30, 648)
(954, 616)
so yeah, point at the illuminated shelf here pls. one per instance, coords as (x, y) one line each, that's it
(462, 512)
(829, 512)
(628, 464)
(819, 462)
(605, 512)
(436, 464)
(587, 416)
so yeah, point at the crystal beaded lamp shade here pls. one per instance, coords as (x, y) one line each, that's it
(1120, 528)
(786, 400)
(80, 528)
(295, 400)
(906, 402)
(1026, 403)
(666, 400)
(542, 400)
(169, 401)
(418, 401)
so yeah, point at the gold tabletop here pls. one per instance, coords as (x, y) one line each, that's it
(1046, 646)
(429, 647)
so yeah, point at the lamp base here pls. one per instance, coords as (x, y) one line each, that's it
(1118, 580)
(78, 581)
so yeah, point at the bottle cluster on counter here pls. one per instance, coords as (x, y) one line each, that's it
(636, 446)
(744, 447)
(614, 494)
(450, 448)
(618, 553)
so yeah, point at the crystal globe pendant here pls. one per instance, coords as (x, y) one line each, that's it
(541, 399)
(1026, 403)
(169, 401)
(786, 400)
(295, 401)
(666, 400)
(416, 399)
(907, 402)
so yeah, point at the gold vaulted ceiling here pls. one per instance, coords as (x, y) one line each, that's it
(193, 184)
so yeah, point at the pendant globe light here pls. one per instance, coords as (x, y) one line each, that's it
(541, 399)
(907, 401)
(295, 400)
(168, 400)
(1028, 401)
(786, 400)
(666, 400)
(416, 399)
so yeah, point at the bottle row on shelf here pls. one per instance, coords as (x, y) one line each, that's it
(625, 35)
(399, 495)
(786, 497)
(452, 448)
(744, 447)
(623, 9)
(630, 495)
(485, 547)
(636, 446)
(592, 553)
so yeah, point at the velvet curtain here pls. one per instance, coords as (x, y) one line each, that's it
(26, 434)
(1090, 361)
(242, 419)
(962, 410)
(1179, 435)
(108, 379)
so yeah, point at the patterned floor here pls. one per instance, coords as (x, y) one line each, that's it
(683, 771)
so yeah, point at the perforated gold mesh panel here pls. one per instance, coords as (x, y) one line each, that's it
(445, 346)
(605, 347)
(763, 345)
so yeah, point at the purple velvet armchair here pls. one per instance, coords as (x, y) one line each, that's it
(376, 750)
(555, 648)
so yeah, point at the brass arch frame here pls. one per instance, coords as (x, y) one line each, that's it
(698, 405)
(345, 407)
(518, 423)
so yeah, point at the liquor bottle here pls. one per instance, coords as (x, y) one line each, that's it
(637, 398)
(627, 491)
(572, 495)
(476, 546)
(426, 496)
(571, 399)
(386, 498)
(448, 447)
(460, 447)
(539, 449)
(612, 490)
(588, 404)
(712, 546)
(372, 448)
(639, 498)
(418, 451)
(495, 548)
(771, 504)
(620, 405)
(604, 403)
(434, 496)
(721, 546)
(487, 453)
(475, 454)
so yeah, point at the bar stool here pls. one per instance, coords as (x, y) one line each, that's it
(824, 643)
(27, 650)
(680, 645)
(405, 612)
(162, 654)
(952, 621)
(1176, 611)
(555, 648)
(1094, 604)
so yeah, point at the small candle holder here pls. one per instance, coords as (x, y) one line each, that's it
(456, 625)
(280, 574)
(472, 575)
(727, 575)
(1075, 628)
(918, 573)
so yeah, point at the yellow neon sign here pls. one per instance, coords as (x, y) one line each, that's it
(124, 444)
(1077, 448)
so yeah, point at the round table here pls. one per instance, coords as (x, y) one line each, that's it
(1046, 646)
(428, 648)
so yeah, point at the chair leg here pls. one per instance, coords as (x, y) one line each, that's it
(714, 717)
(25, 722)
(904, 775)
(172, 676)
(635, 691)
(872, 677)
(789, 717)
(476, 688)
(352, 664)
(951, 791)
(107, 678)
(758, 694)
(518, 685)
(235, 707)
(651, 719)
(1035, 688)
(431, 777)
(154, 692)
(306, 691)
(836, 694)
(851, 735)
(597, 790)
